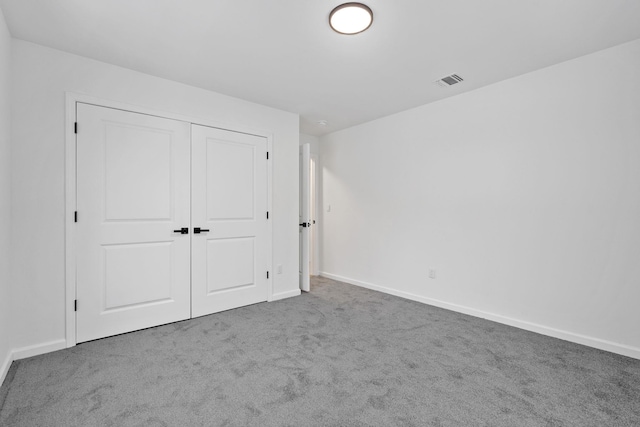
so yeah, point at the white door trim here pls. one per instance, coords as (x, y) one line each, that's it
(71, 99)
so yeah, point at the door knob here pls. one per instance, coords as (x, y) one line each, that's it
(198, 230)
(304, 224)
(183, 230)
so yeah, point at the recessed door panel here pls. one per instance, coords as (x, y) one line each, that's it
(230, 180)
(133, 191)
(137, 274)
(138, 173)
(229, 200)
(230, 264)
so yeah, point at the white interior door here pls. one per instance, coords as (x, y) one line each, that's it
(133, 191)
(313, 232)
(229, 204)
(305, 216)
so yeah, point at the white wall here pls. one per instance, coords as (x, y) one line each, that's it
(5, 196)
(313, 141)
(41, 77)
(523, 195)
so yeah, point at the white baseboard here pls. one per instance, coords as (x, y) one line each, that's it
(32, 350)
(612, 347)
(283, 295)
(4, 368)
(38, 349)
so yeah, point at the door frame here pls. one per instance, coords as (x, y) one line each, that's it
(71, 100)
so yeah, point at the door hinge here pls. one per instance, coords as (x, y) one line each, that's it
(267, 214)
(75, 216)
(75, 127)
(75, 305)
(267, 274)
(267, 155)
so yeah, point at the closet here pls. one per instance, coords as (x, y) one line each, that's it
(171, 220)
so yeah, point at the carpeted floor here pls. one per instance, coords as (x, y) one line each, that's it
(338, 356)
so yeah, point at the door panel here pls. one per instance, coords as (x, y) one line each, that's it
(133, 190)
(138, 173)
(136, 274)
(230, 263)
(305, 217)
(229, 199)
(230, 163)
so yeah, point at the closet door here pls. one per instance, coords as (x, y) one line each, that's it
(133, 193)
(229, 216)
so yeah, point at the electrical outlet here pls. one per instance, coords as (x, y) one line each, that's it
(279, 269)
(432, 273)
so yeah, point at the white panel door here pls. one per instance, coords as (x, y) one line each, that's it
(229, 205)
(305, 216)
(133, 190)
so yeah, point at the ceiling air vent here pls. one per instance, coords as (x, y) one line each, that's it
(449, 80)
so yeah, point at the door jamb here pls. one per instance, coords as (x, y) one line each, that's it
(71, 100)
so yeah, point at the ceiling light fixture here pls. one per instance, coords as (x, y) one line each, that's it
(350, 18)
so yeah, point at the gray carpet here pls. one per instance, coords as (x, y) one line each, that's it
(338, 356)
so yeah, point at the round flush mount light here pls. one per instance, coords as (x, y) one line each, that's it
(351, 18)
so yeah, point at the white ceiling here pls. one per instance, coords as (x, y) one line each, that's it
(282, 53)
